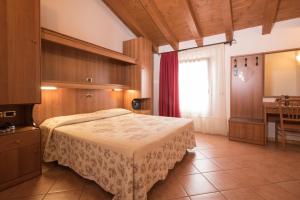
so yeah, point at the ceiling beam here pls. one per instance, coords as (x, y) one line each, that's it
(227, 19)
(193, 23)
(270, 13)
(160, 22)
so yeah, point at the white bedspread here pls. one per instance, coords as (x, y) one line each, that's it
(125, 153)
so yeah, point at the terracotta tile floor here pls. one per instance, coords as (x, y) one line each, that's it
(217, 169)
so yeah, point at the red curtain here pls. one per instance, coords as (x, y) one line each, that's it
(168, 85)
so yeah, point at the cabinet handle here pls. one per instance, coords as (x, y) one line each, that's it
(34, 41)
(89, 79)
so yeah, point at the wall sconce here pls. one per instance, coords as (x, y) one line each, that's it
(117, 89)
(298, 57)
(48, 88)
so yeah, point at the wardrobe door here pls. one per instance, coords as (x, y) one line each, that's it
(20, 51)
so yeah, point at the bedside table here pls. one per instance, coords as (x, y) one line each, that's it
(20, 155)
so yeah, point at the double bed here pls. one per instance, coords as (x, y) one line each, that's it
(123, 152)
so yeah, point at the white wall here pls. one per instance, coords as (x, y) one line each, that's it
(88, 20)
(285, 35)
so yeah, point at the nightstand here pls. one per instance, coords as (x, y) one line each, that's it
(20, 155)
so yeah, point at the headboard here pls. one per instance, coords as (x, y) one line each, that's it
(74, 101)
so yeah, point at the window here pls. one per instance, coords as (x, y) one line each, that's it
(194, 87)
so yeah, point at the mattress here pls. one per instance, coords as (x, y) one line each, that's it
(123, 152)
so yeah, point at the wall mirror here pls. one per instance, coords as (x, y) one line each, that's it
(282, 73)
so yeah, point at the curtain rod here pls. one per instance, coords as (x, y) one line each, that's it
(227, 42)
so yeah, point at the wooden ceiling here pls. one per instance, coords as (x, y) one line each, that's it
(172, 21)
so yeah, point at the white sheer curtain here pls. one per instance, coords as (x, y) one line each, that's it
(202, 88)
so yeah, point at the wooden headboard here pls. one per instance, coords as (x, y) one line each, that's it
(74, 101)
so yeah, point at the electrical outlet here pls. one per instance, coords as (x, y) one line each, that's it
(9, 113)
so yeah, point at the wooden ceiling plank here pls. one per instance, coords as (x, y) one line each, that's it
(124, 16)
(193, 23)
(154, 48)
(227, 19)
(270, 13)
(127, 19)
(160, 22)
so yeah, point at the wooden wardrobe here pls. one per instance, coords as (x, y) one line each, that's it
(139, 77)
(246, 99)
(19, 90)
(20, 52)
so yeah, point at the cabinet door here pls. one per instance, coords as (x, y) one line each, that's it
(247, 80)
(29, 159)
(9, 165)
(146, 70)
(20, 51)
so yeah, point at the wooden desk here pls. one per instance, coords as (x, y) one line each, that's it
(271, 114)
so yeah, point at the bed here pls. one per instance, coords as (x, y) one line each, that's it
(123, 152)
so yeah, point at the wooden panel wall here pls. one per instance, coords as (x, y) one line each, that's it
(62, 63)
(72, 101)
(246, 97)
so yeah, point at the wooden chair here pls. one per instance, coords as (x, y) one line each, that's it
(289, 119)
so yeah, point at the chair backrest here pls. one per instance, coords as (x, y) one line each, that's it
(289, 111)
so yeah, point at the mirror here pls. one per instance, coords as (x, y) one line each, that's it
(282, 73)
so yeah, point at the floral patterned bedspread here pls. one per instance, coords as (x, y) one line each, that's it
(123, 152)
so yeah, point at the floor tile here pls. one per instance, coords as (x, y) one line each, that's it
(224, 180)
(36, 197)
(206, 165)
(241, 194)
(183, 198)
(67, 195)
(274, 192)
(209, 196)
(70, 181)
(32, 187)
(195, 154)
(196, 184)
(94, 192)
(293, 187)
(248, 177)
(273, 173)
(227, 163)
(167, 189)
(185, 169)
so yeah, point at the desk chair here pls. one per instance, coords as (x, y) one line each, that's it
(289, 119)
